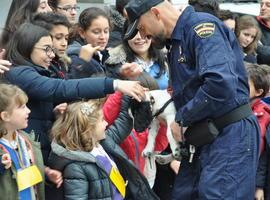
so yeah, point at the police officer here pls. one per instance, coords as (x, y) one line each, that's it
(211, 95)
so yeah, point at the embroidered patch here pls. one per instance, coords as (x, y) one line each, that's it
(205, 30)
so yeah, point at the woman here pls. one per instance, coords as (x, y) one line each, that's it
(31, 58)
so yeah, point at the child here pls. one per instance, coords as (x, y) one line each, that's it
(248, 34)
(19, 154)
(93, 165)
(259, 87)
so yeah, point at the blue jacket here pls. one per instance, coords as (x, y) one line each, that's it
(80, 68)
(45, 92)
(208, 74)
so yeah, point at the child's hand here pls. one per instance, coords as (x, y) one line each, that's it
(87, 51)
(130, 70)
(6, 160)
(54, 176)
(60, 108)
(259, 194)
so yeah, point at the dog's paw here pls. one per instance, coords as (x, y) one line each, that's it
(164, 159)
(147, 153)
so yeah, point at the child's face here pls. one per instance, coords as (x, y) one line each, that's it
(253, 93)
(101, 127)
(17, 118)
(68, 8)
(43, 52)
(97, 33)
(60, 39)
(140, 46)
(247, 36)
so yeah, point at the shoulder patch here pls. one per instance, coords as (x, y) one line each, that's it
(205, 30)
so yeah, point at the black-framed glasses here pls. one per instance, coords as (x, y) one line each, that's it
(69, 8)
(48, 50)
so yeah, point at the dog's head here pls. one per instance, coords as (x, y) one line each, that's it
(142, 114)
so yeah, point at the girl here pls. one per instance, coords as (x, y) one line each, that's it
(248, 34)
(58, 25)
(140, 52)
(21, 11)
(68, 8)
(93, 165)
(91, 34)
(18, 151)
(31, 52)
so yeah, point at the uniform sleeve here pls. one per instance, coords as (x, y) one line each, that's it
(42, 88)
(215, 62)
(75, 183)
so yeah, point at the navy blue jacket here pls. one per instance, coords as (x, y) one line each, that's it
(80, 68)
(209, 77)
(44, 92)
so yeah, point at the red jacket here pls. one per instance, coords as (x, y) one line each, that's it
(134, 144)
(262, 111)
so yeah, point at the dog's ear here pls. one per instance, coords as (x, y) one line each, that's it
(142, 115)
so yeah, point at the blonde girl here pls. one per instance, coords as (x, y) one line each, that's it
(93, 165)
(20, 155)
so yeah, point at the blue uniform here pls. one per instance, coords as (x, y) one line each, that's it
(209, 80)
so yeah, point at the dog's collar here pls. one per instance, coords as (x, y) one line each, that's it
(152, 101)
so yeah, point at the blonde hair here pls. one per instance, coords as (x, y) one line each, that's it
(10, 96)
(245, 22)
(75, 129)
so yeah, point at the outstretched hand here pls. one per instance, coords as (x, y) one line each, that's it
(131, 88)
(130, 70)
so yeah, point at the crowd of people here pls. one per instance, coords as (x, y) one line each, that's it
(68, 81)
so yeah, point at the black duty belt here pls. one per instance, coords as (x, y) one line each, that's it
(204, 132)
(235, 115)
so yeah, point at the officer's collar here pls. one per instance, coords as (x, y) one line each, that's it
(181, 23)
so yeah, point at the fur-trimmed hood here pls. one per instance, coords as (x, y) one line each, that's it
(61, 157)
(116, 55)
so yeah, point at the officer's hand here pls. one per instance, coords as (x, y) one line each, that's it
(259, 194)
(176, 131)
(175, 166)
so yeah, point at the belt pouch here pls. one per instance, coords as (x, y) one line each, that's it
(201, 133)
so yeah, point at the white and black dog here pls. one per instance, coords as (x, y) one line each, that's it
(158, 105)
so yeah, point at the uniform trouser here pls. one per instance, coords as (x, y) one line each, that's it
(224, 169)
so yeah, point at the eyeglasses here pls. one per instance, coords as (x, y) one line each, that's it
(48, 50)
(69, 8)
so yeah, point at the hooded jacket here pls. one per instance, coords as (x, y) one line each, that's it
(85, 178)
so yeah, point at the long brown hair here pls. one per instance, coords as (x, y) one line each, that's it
(75, 129)
(10, 96)
(245, 22)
